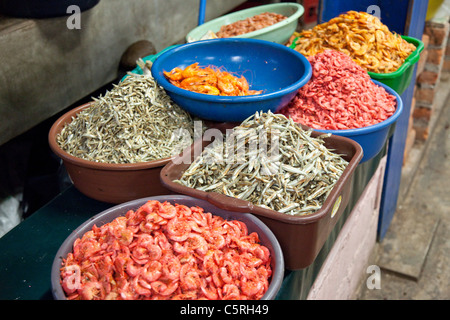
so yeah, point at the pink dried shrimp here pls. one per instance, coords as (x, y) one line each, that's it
(340, 95)
(165, 251)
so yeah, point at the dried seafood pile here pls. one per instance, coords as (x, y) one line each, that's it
(340, 95)
(209, 80)
(250, 24)
(361, 36)
(271, 162)
(136, 121)
(167, 251)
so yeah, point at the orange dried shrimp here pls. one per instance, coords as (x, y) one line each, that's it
(361, 36)
(164, 251)
(209, 80)
(250, 24)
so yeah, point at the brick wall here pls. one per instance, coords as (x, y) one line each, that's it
(428, 78)
(434, 59)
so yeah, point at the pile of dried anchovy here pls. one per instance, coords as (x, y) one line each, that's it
(136, 121)
(289, 172)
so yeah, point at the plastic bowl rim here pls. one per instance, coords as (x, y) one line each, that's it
(162, 81)
(297, 14)
(409, 61)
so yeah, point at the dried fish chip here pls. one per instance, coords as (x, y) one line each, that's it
(361, 36)
(136, 121)
(292, 172)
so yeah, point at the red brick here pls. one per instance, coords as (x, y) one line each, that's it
(422, 61)
(421, 132)
(425, 95)
(422, 113)
(425, 40)
(437, 32)
(428, 77)
(422, 128)
(435, 55)
(446, 65)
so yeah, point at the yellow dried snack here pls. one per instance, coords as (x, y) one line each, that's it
(361, 36)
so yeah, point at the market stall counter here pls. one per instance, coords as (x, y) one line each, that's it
(27, 251)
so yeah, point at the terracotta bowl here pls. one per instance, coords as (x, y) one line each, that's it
(112, 183)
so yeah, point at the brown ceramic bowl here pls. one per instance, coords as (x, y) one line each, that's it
(112, 183)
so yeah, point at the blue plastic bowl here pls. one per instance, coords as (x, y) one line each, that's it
(372, 138)
(276, 69)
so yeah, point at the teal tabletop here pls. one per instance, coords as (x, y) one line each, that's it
(27, 251)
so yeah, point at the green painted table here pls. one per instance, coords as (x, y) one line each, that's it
(28, 250)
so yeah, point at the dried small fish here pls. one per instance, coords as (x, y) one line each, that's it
(136, 121)
(280, 166)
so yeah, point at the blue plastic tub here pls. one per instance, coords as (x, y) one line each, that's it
(276, 69)
(372, 138)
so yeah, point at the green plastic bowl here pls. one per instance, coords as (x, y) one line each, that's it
(279, 32)
(400, 79)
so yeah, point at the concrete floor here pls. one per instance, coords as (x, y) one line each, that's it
(414, 256)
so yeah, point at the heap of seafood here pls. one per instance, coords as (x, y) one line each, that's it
(271, 162)
(209, 80)
(134, 122)
(340, 95)
(361, 36)
(250, 24)
(165, 251)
